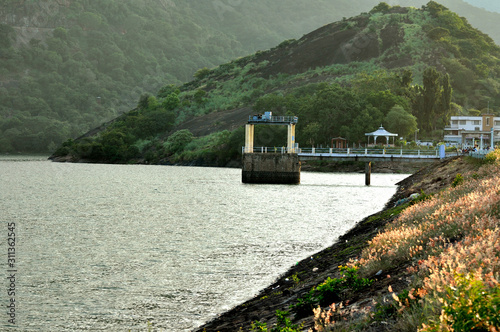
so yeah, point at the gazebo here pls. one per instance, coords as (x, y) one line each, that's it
(381, 132)
(339, 143)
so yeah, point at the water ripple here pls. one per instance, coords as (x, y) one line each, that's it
(113, 247)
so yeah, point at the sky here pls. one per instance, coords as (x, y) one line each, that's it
(491, 5)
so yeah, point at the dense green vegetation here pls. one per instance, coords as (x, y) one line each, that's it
(331, 290)
(69, 66)
(444, 67)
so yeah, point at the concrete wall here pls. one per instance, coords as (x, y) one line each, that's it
(271, 168)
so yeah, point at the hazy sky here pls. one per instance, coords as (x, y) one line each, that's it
(491, 5)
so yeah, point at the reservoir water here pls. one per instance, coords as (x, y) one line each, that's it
(124, 247)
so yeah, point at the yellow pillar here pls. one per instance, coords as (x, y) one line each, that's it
(291, 138)
(249, 138)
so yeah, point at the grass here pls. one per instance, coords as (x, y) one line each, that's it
(283, 324)
(332, 289)
(451, 245)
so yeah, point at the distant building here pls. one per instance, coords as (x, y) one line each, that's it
(470, 131)
(339, 143)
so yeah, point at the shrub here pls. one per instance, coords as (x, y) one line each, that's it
(459, 179)
(332, 289)
(178, 141)
(62, 151)
(283, 324)
(422, 197)
(202, 73)
(391, 309)
(438, 33)
(493, 157)
(470, 306)
(381, 8)
(425, 229)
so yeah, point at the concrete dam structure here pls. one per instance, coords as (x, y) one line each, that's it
(271, 168)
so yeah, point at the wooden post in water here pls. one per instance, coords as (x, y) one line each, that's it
(368, 172)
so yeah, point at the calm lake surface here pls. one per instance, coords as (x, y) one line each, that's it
(113, 247)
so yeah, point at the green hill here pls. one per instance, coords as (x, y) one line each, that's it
(68, 66)
(477, 13)
(394, 65)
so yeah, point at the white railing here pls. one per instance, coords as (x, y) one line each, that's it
(481, 154)
(366, 152)
(273, 119)
(268, 149)
(348, 152)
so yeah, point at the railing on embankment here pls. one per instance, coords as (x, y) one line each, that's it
(354, 153)
(387, 153)
(479, 154)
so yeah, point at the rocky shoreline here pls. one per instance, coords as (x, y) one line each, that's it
(310, 272)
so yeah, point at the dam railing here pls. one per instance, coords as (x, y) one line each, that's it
(348, 152)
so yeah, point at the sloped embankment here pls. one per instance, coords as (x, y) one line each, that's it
(300, 279)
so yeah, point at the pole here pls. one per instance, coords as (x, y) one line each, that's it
(368, 172)
(492, 145)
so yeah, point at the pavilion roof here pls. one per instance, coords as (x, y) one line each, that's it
(380, 132)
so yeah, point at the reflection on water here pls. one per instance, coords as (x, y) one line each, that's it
(113, 247)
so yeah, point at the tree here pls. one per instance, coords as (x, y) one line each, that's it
(168, 89)
(171, 102)
(60, 33)
(432, 101)
(435, 8)
(334, 107)
(366, 121)
(5, 145)
(445, 102)
(269, 102)
(405, 78)
(199, 96)
(147, 102)
(382, 7)
(115, 145)
(152, 103)
(7, 35)
(178, 140)
(438, 33)
(310, 134)
(385, 100)
(202, 73)
(89, 21)
(431, 96)
(400, 121)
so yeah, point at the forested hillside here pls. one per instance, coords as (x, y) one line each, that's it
(404, 67)
(69, 65)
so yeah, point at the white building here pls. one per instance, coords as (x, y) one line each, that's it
(470, 131)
